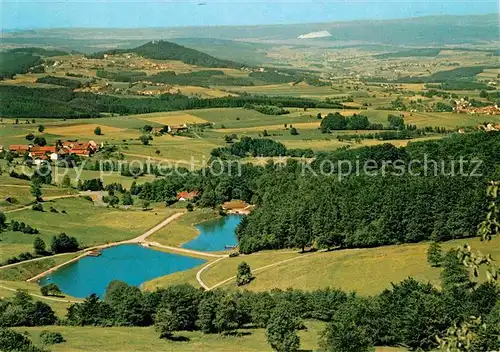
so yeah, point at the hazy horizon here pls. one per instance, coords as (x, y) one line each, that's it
(43, 14)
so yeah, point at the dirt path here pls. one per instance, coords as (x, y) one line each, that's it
(187, 251)
(138, 239)
(40, 296)
(198, 274)
(45, 199)
(18, 186)
(198, 277)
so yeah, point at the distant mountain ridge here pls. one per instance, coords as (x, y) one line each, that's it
(429, 30)
(163, 50)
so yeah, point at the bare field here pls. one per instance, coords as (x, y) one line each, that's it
(171, 118)
(82, 130)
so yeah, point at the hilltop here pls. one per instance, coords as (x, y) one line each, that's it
(163, 50)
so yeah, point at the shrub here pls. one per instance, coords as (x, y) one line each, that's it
(50, 290)
(89, 198)
(37, 207)
(244, 274)
(51, 337)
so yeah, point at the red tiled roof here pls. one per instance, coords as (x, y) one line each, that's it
(187, 195)
(81, 146)
(47, 149)
(79, 152)
(19, 147)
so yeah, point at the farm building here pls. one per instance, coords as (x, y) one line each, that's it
(183, 196)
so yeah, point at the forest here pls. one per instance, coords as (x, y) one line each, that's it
(163, 50)
(122, 76)
(18, 62)
(27, 102)
(329, 204)
(60, 81)
(199, 78)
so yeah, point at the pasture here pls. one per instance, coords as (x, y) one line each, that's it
(137, 339)
(59, 307)
(367, 271)
(90, 224)
(25, 271)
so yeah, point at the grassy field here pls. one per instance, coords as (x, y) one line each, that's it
(107, 177)
(25, 271)
(182, 230)
(124, 131)
(287, 89)
(366, 271)
(20, 192)
(182, 277)
(90, 224)
(59, 307)
(125, 339)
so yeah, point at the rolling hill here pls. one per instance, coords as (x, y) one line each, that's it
(163, 50)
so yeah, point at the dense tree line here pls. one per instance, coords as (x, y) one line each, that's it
(327, 204)
(21, 101)
(39, 51)
(409, 313)
(60, 81)
(61, 243)
(272, 77)
(248, 146)
(13, 63)
(337, 121)
(330, 205)
(384, 136)
(122, 76)
(267, 109)
(205, 78)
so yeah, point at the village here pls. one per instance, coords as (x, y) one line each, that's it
(43, 154)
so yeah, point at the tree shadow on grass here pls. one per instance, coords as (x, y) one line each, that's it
(175, 338)
(237, 333)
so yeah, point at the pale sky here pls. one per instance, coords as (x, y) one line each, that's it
(28, 14)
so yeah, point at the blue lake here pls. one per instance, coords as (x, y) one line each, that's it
(130, 263)
(215, 234)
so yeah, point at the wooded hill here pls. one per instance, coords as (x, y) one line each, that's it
(162, 50)
(20, 101)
